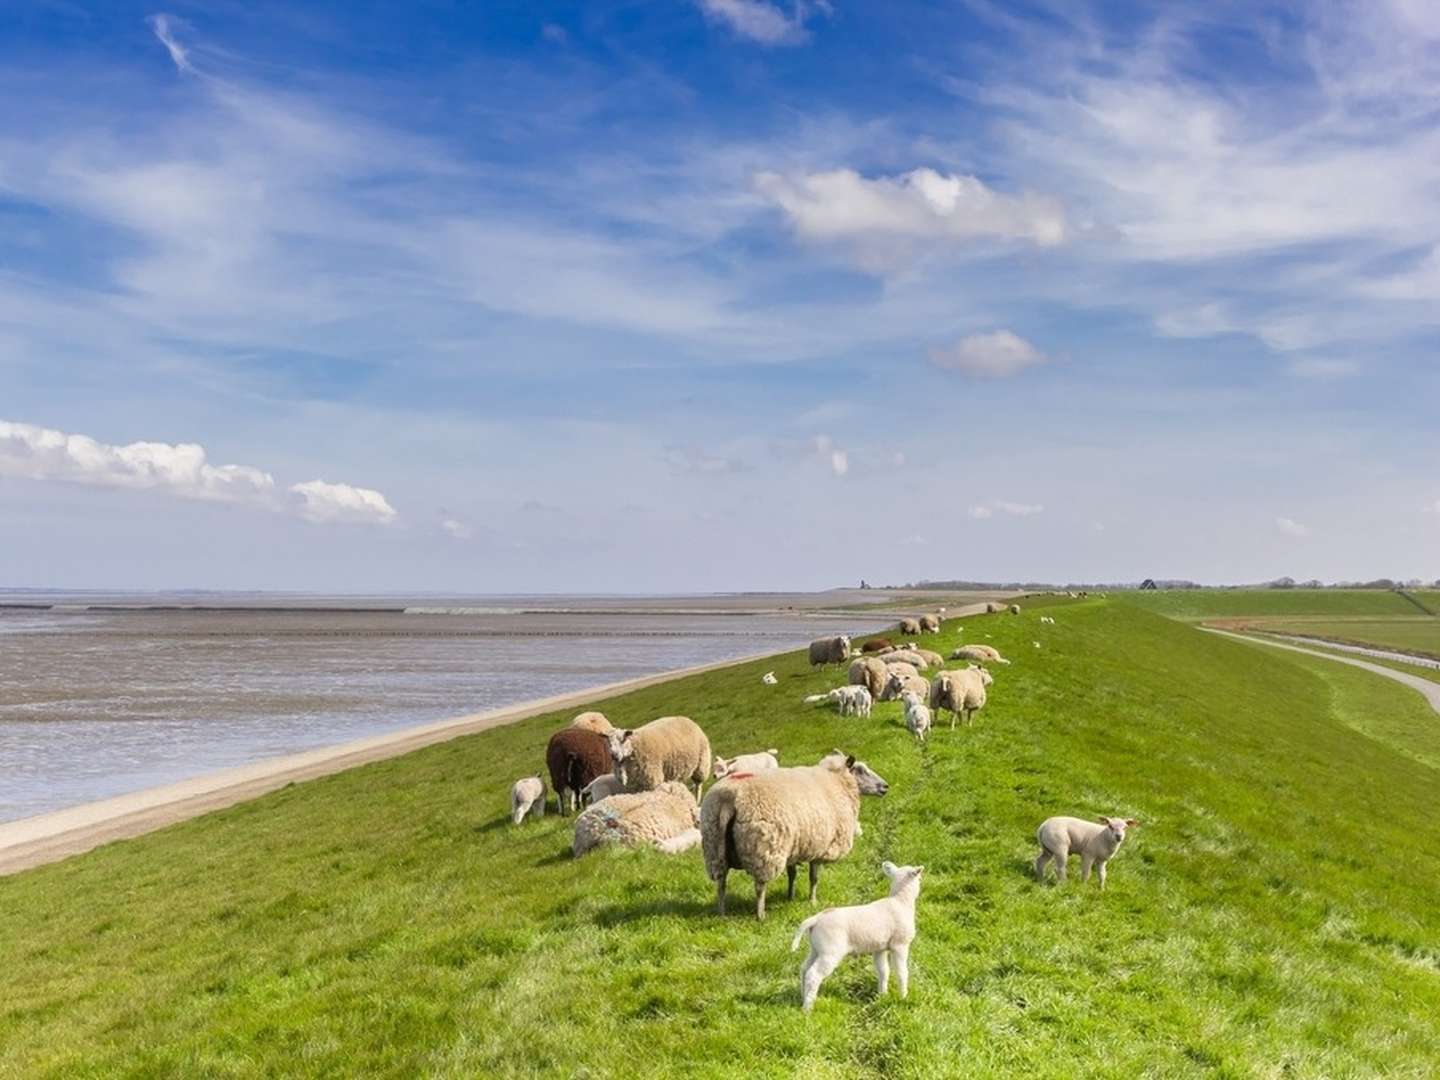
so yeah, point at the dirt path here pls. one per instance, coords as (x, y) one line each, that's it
(1430, 690)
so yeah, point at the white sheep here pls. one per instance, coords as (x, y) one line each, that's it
(774, 820)
(985, 654)
(670, 748)
(1094, 842)
(657, 818)
(593, 721)
(848, 700)
(602, 787)
(909, 626)
(917, 715)
(869, 672)
(1014, 609)
(741, 763)
(898, 683)
(904, 656)
(962, 692)
(883, 929)
(929, 624)
(527, 796)
(830, 650)
(769, 678)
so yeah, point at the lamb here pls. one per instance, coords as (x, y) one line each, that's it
(917, 715)
(655, 817)
(527, 796)
(593, 721)
(830, 650)
(929, 624)
(1095, 843)
(898, 684)
(868, 672)
(575, 757)
(848, 700)
(670, 748)
(909, 626)
(962, 692)
(883, 929)
(766, 822)
(985, 654)
(769, 678)
(602, 787)
(883, 644)
(757, 762)
(1014, 609)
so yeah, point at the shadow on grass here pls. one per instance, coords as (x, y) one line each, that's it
(620, 914)
(564, 855)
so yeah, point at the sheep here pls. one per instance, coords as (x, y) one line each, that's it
(883, 929)
(593, 721)
(909, 626)
(602, 787)
(769, 678)
(899, 682)
(766, 822)
(904, 656)
(868, 672)
(931, 658)
(877, 645)
(757, 762)
(901, 668)
(576, 756)
(917, 715)
(986, 654)
(648, 817)
(848, 700)
(929, 624)
(962, 692)
(670, 748)
(830, 650)
(1014, 609)
(527, 796)
(1095, 843)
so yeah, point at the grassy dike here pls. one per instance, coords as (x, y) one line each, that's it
(1275, 915)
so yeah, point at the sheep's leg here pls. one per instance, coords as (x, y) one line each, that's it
(540, 808)
(901, 956)
(790, 872)
(814, 881)
(1062, 864)
(760, 887)
(882, 972)
(1085, 861)
(953, 716)
(820, 966)
(1100, 872)
(1040, 862)
(720, 891)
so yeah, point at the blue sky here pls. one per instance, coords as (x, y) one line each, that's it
(720, 294)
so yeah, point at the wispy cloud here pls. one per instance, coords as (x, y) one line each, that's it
(178, 53)
(764, 22)
(1292, 528)
(996, 355)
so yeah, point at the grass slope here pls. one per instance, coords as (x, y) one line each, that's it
(1204, 603)
(1419, 635)
(1274, 916)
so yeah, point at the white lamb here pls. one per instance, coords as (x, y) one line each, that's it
(1095, 843)
(883, 929)
(769, 678)
(848, 700)
(917, 715)
(746, 763)
(602, 787)
(527, 796)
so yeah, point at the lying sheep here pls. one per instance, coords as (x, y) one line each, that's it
(877, 645)
(992, 608)
(931, 658)
(757, 762)
(929, 624)
(883, 929)
(848, 700)
(655, 817)
(773, 821)
(769, 678)
(917, 714)
(904, 656)
(670, 748)
(985, 654)
(593, 721)
(900, 668)
(898, 683)
(868, 672)
(962, 692)
(527, 796)
(1095, 843)
(576, 756)
(602, 787)
(830, 650)
(909, 626)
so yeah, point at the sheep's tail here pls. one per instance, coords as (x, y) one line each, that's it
(804, 931)
(814, 699)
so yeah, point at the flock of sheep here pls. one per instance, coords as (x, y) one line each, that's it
(643, 788)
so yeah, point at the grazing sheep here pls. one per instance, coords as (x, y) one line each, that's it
(899, 682)
(962, 692)
(904, 656)
(647, 817)
(917, 715)
(576, 756)
(985, 654)
(929, 624)
(883, 929)
(909, 626)
(757, 762)
(1095, 843)
(830, 650)
(527, 796)
(670, 748)
(602, 787)
(593, 721)
(769, 678)
(1014, 609)
(883, 644)
(763, 823)
(868, 672)
(848, 700)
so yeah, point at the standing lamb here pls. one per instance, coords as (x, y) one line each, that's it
(985, 654)
(773, 821)
(593, 721)
(917, 715)
(663, 818)
(909, 626)
(962, 692)
(883, 929)
(929, 624)
(1095, 843)
(527, 796)
(757, 762)
(848, 700)
(830, 650)
(869, 672)
(575, 757)
(670, 748)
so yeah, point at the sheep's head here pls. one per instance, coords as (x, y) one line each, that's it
(845, 644)
(721, 767)
(902, 877)
(910, 697)
(622, 749)
(868, 780)
(1117, 827)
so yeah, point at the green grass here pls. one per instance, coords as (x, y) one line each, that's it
(1419, 635)
(1432, 674)
(1274, 916)
(1205, 603)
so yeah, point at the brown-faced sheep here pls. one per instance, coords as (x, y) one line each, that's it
(670, 748)
(661, 818)
(575, 757)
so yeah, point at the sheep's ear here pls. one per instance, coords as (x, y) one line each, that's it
(1132, 823)
(850, 761)
(888, 866)
(1104, 820)
(626, 736)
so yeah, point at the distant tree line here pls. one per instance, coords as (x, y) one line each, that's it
(1161, 583)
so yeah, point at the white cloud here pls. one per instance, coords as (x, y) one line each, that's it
(1291, 527)
(839, 462)
(178, 53)
(456, 528)
(888, 219)
(995, 355)
(181, 469)
(981, 513)
(984, 511)
(763, 22)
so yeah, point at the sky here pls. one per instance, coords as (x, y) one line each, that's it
(706, 295)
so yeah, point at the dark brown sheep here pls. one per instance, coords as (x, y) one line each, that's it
(575, 757)
(879, 644)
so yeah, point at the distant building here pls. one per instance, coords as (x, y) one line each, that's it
(1149, 583)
